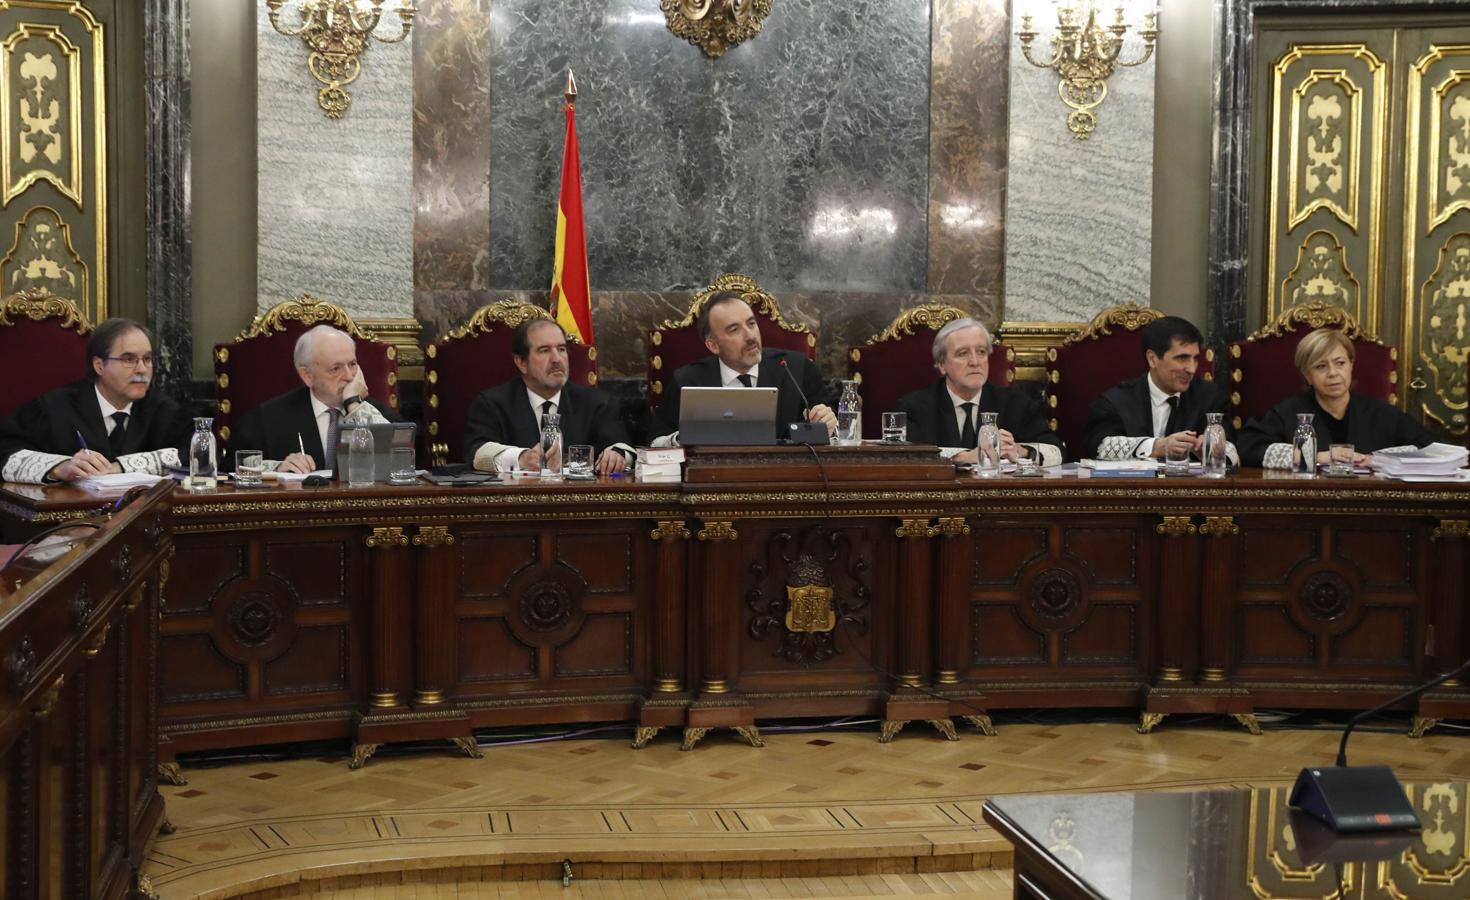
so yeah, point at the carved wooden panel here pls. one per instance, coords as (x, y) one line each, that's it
(604, 646)
(837, 566)
(1386, 559)
(488, 651)
(316, 571)
(316, 662)
(487, 563)
(605, 561)
(1268, 556)
(53, 153)
(194, 669)
(199, 571)
(1057, 596)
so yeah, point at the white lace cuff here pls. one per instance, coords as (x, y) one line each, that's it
(153, 462)
(1121, 447)
(30, 466)
(1279, 456)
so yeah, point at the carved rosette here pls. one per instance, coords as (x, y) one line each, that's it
(714, 26)
(1055, 594)
(546, 606)
(1325, 596)
(254, 619)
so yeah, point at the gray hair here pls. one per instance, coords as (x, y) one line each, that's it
(306, 344)
(959, 325)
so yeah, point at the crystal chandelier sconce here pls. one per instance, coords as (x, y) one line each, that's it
(337, 32)
(1084, 55)
(715, 26)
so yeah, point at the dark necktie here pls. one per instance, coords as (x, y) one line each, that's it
(545, 411)
(334, 430)
(119, 432)
(968, 438)
(1172, 425)
(744, 379)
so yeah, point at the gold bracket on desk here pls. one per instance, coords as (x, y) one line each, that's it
(172, 773)
(433, 536)
(386, 537)
(891, 727)
(693, 735)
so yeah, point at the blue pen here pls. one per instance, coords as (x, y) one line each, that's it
(81, 440)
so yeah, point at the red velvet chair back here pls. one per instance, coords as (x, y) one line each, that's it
(476, 356)
(676, 343)
(1106, 351)
(258, 365)
(901, 359)
(44, 338)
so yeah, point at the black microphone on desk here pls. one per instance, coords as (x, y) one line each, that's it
(804, 432)
(1362, 798)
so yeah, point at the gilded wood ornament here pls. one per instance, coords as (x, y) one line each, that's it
(932, 316)
(760, 300)
(39, 303)
(714, 26)
(1311, 315)
(507, 313)
(386, 537)
(1084, 56)
(1130, 316)
(718, 531)
(42, 257)
(307, 309)
(669, 530)
(338, 32)
(1176, 526)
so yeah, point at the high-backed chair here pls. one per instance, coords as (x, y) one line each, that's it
(474, 356)
(1102, 353)
(1263, 368)
(677, 343)
(257, 365)
(901, 359)
(44, 340)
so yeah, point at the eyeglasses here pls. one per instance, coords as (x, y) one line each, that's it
(131, 360)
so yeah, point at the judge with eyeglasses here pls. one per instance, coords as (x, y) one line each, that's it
(108, 422)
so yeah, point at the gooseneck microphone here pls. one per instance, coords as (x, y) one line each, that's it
(1362, 798)
(805, 403)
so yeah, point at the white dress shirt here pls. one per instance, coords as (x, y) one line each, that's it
(508, 457)
(1158, 403)
(108, 409)
(1044, 454)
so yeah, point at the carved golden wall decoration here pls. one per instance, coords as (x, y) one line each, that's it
(338, 32)
(1321, 274)
(715, 26)
(1329, 133)
(42, 258)
(1444, 318)
(41, 112)
(1436, 244)
(1084, 55)
(1326, 133)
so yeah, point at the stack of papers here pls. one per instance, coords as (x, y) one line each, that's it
(1122, 468)
(1433, 463)
(659, 463)
(119, 482)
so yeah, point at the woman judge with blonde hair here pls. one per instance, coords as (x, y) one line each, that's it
(1339, 416)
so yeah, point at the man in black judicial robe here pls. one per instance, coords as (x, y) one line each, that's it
(1140, 417)
(728, 326)
(297, 431)
(503, 432)
(109, 422)
(948, 411)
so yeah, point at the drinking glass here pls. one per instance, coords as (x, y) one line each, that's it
(249, 468)
(1340, 460)
(1176, 460)
(895, 428)
(402, 468)
(579, 462)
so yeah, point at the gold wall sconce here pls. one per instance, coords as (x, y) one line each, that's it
(715, 26)
(337, 32)
(1084, 55)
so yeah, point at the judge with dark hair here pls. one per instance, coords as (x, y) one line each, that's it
(111, 421)
(728, 327)
(1141, 418)
(948, 412)
(503, 433)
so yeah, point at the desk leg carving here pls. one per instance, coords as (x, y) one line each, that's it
(361, 753)
(890, 728)
(1249, 721)
(143, 888)
(692, 736)
(751, 734)
(982, 722)
(643, 735)
(946, 728)
(1148, 720)
(1422, 724)
(166, 826)
(170, 773)
(469, 746)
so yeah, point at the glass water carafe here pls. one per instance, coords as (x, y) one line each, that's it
(1304, 447)
(1214, 449)
(203, 457)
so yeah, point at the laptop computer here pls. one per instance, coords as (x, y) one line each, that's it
(386, 436)
(733, 415)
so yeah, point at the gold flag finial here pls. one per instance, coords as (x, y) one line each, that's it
(571, 91)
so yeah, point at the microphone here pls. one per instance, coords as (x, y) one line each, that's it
(1362, 798)
(804, 432)
(805, 403)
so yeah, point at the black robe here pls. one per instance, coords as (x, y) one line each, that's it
(1372, 425)
(789, 403)
(1126, 410)
(59, 420)
(284, 425)
(931, 417)
(503, 415)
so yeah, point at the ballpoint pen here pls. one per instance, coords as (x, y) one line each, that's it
(300, 445)
(81, 440)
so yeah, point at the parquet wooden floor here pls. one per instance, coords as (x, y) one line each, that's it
(827, 811)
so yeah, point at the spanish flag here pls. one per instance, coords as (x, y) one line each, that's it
(571, 294)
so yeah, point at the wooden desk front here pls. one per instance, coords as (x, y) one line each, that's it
(409, 613)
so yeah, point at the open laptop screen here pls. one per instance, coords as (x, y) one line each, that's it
(733, 415)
